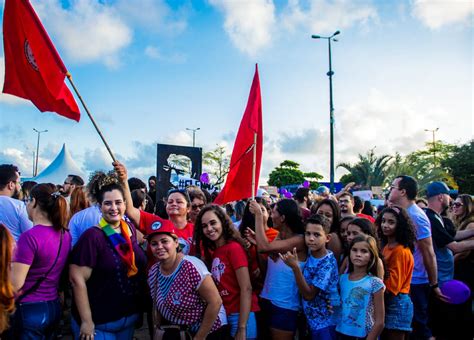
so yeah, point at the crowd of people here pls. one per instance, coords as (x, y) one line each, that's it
(315, 266)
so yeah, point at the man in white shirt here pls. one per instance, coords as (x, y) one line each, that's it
(12, 211)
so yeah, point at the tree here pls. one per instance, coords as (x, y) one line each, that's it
(287, 173)
(370, 170)
(421, 166)
(460, 165)
(313, 178)
(218, 162)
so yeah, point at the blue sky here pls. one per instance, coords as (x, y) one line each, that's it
(149, 69)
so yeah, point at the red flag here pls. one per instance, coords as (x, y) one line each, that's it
(33, 68)
(239, 180)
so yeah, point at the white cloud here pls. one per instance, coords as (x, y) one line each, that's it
(154, 53)
(97, 159)
(249, 23)
(389, 123)
(153, 15)
(87, 30)
(24, 161)
(325, 16)
(437, 13)
(6, 98)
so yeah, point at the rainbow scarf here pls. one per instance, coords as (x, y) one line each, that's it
(122, 244)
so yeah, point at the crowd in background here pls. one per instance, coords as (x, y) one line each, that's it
(315, 266)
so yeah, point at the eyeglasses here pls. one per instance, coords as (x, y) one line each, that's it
(197, 206)
(66, 182)
(457, 204)
(394, 187)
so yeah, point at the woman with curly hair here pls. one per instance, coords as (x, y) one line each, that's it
(107, 270)
(40, 257)
(7, 299)
(397, 233)
(229, 268)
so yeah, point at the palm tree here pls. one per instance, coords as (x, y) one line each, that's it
(370, 170)
(421, 169)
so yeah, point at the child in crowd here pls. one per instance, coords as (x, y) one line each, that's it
(362, 293)
(318, 281)
(357, 227)
(230, 269)
(398, 237)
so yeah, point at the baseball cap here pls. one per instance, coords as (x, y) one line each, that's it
(436, 188)
(160, 226)
(322, 190)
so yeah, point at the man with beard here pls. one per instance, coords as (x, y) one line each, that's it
(346, 204)
(70, 183)
(12, 211)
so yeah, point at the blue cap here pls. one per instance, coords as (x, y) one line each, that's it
(436, 188)
(322, 190)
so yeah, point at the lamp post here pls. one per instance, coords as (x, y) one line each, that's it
(433, 131)
(331, 108)
(37, 150)
(194, 134)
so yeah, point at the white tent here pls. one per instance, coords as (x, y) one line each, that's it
(62, 166)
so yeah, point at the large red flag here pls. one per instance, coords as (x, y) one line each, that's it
(33, 68)
(239, 180)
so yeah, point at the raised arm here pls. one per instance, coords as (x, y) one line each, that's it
(276, 246)
(132, 212)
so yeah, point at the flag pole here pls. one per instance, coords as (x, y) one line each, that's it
(254, 163)
(69, 77)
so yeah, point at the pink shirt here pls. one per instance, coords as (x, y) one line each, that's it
(38, 248)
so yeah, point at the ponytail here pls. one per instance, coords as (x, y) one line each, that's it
(52, 203)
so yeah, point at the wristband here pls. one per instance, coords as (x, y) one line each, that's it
(434, 286)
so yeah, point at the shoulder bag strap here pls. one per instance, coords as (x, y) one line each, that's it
(43, 277)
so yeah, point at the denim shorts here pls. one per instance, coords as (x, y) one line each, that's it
(233, 321)
(280, 318)
(399, 312)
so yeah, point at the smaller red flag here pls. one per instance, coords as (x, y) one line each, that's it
(33, 68)
(238, 184)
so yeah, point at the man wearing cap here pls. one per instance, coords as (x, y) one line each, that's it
(444, 244)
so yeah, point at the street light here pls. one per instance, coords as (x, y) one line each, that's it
(194, 134)
(331, 108)
(434, 143)
(37, 150)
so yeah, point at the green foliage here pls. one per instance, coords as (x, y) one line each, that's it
(460, 165)
(218, 162)
(313, 178)
(347, 178)
(370, 170)
(422, 166)
(287, 173)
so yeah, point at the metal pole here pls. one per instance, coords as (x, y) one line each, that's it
(331, 122)
(254, 164)
(194, 138)
(37, 151)
(69, 77)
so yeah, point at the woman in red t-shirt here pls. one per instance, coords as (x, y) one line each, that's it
(230, 269)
